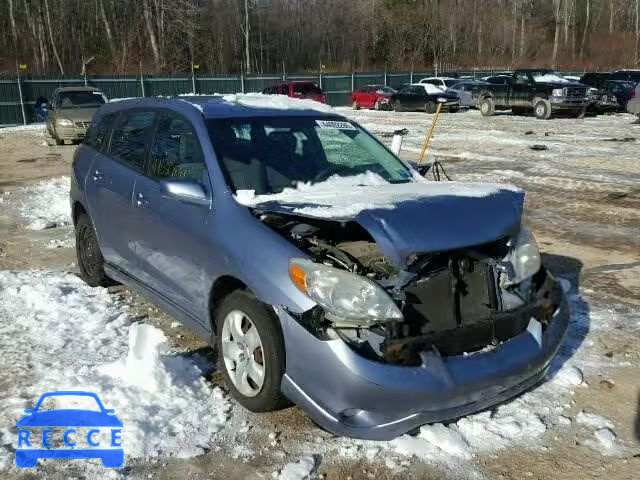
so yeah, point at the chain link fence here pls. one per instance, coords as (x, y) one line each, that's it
(19, 94)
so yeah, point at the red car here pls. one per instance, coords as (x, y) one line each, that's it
(297, 90)
(372, 96)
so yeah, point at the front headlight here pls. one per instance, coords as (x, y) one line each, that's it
(557, 92)
(348, 299)
(64, 122)
(442, 100)
(524, 257)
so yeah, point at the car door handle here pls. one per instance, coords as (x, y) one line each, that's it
(140, 200)
(97, 176)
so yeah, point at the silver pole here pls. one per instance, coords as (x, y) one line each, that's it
(193, 79)
(24, 115)
(141, 79)
(353, 81)
(242, 81)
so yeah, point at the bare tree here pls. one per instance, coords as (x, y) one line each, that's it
(557, 21)
(146, 9)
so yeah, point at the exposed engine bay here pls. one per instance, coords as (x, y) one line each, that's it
(453, 303)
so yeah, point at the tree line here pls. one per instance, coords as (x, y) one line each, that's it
(264, 36)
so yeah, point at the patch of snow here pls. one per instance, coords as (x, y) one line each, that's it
(69, 242)
(300, 470)
(550, 78)
(593, 420)
(57, 333)
(430, 88)
(571, 375)
(31, 127)
(606, 437)
(344, 197)
(45, 204)
(278, 102)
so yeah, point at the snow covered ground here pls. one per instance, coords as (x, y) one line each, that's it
(57, 333)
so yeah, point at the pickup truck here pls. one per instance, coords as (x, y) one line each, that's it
(541, 91)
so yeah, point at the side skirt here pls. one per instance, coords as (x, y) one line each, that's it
(161, 301)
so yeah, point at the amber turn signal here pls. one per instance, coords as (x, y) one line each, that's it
(298, 277)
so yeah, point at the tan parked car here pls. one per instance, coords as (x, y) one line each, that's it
(634, 102)
(70, 112)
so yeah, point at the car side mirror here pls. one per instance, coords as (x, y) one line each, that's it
(187, 191)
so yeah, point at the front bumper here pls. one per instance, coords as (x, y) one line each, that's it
(77, 131)
(350, 395)
(568, 103)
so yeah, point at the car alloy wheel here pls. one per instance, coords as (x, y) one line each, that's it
(540, 110)
(355, 106)
(242, 353)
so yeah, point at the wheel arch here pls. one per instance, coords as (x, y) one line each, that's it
(77, 210)
(222, 287)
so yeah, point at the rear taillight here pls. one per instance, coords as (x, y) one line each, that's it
(633, 93)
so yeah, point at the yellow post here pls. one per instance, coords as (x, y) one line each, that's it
(425, 144)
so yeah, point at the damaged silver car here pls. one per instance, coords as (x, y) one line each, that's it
(324, 270)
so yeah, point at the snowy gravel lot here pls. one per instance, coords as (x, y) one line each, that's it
(583, 202)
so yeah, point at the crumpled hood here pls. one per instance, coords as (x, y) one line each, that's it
(410, 218)
(442, 223)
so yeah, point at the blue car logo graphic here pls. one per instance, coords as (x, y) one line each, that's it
(68, 418)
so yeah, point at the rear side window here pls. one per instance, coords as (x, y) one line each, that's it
(176, 152)
(306, 88)
(99, 131)
(129, 138)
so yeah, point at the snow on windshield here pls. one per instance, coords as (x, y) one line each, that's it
(345, 197)
(279, 102)
(551, 78)
(431, 89)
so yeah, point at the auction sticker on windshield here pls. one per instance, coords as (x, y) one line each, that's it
(335, 124)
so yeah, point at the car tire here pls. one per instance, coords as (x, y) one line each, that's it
(580, 113)
(57, 139)
(355, 106)
(89, 256)
(241, 312)
(397, 106)
(430, 107)
(487, 106)
(542, 108)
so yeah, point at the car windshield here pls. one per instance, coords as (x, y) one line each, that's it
(383, 89)
(306, 89)
(80, 99)
(268, 154)
(618, 87)
(548, 76)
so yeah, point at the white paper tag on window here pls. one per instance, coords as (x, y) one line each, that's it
(335, 124)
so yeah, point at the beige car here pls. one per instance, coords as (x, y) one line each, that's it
(634, 102)
(70, 112)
